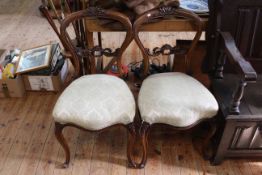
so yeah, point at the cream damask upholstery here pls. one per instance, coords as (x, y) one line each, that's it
(175, 99)
(95, 102)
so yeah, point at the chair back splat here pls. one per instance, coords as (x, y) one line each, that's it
(83, 53)
(156, 15)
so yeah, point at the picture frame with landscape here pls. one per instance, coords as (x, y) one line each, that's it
(34, 59)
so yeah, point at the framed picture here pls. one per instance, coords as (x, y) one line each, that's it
(34, 59)
(56, 52)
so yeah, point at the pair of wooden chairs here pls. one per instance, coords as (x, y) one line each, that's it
(97, 102)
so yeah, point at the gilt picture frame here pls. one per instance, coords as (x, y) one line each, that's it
(34, 59)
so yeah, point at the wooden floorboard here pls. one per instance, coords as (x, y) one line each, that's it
(47, 162)
(27, 142)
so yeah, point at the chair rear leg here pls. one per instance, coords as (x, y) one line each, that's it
(59, 136)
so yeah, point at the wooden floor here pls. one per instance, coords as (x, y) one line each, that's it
(27, 142)
(28, 146)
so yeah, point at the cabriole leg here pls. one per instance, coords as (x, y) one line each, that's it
(130, 145)
(207, 140)
(59, 136)
(144, 139)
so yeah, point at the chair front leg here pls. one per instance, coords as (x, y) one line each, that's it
(130, 145)
(207, 140)
(144, 139)
(59, 136)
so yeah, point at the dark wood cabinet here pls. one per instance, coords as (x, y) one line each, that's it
(240, 135)
(243, 19)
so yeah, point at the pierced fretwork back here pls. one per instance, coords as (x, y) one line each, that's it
(156, 15)
(87, 55)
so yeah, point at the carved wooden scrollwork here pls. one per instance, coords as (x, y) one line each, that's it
(132, 129)
(95, 12)
(163, 11)
(166, 10)
(97, 51)
(166, 49)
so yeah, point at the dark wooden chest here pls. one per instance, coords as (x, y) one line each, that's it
(240, 135)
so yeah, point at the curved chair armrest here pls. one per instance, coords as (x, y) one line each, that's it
(243, 67)
(235, 57)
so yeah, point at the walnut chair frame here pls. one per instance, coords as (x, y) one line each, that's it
(89, 54)
(157, 15)
(83, 37)
(77, 53)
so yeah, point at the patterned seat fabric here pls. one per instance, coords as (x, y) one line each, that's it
(175, 99)
(95, 102)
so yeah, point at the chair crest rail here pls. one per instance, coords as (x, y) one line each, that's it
(89, 53)
(158, 14)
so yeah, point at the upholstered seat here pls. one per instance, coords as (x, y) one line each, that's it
(175, 99)
(95, 102)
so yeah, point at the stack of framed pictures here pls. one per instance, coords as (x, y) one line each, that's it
(34, 59)
(40, 60)
(42, 68)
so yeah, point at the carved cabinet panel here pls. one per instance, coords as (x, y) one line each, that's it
(241, 138)
(243, 19)
(247, 136)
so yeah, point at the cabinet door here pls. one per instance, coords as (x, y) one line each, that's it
(247, 135)
(248, 33)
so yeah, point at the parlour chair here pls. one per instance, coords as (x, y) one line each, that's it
(97, 101)
(175, 98)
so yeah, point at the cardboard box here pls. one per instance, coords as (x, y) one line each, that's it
(12, 87)
(2, 55)
(46, 83)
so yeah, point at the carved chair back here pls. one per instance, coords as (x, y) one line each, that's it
(87, 55)
(156, 15)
